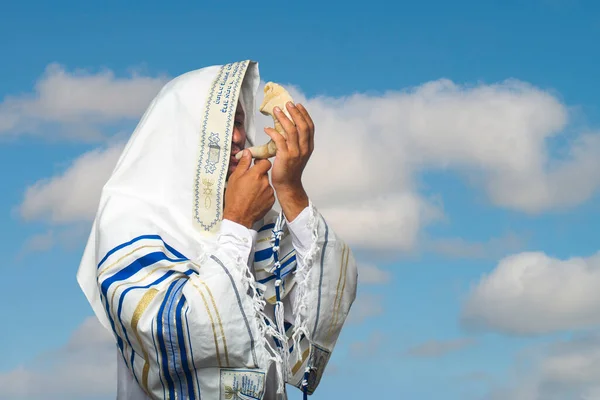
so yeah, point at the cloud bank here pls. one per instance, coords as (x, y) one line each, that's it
(532, 293)
(85, 367)
(78, 102)
(370, 151)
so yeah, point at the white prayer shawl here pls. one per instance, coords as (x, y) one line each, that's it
(191, 318)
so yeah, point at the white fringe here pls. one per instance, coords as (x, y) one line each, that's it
(264, 327)
(302, 272)
(285, 354)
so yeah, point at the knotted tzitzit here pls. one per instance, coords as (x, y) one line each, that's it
(277, 234)
(279, 311)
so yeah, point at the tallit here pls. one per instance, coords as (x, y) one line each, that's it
(191, 317)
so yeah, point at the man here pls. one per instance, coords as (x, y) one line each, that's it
(233, 299)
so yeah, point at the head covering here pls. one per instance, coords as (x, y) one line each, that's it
(172, 171)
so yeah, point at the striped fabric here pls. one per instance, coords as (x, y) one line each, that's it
(156, 300)
(176, 320)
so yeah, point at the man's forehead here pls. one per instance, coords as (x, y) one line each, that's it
(239, 110)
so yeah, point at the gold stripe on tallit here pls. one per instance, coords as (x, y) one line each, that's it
(339, 293)
(137, 314)
(212, 321)
(212, 299)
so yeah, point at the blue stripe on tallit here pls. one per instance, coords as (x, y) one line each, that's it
(187, 325)
(170, 344)
(135, 267)
(112, 325)
(268, 226)
(262, 255)
(183, 347)
(267, 253)
(157, 237)
(128, 271)
(157, 358)
(125, 273)
(132, 360)
(120, 307)
(162, 344)
(284, 273)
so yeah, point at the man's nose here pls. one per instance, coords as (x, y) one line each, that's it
(237, 135)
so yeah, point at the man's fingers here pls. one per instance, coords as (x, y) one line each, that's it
(310, 123)
(244, 163)
(279, 140)
(301, 127)
(290, 129)
(261, 166)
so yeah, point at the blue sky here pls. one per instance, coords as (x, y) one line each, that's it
(486, 104)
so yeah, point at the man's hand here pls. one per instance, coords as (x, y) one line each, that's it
(291, 159)
(249, 195)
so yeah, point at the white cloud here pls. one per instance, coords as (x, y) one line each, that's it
(78, 101)
(370, 151)
(497, 134)
(568, 370)
(383, 222)
(567, 182)
(369, 199)
(73, 195)
(85, 367)
(532, 293)
(438, 348)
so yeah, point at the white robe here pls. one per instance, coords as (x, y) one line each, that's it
(197, 315)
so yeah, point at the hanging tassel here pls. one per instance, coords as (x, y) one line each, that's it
(279, 309)
(305, 383)
(280, 378)
(285, 356)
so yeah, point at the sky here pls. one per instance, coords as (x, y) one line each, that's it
(457, 152)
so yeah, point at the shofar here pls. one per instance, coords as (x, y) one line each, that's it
(275, 96)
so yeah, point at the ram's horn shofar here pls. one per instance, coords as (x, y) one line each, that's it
(275, 96)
